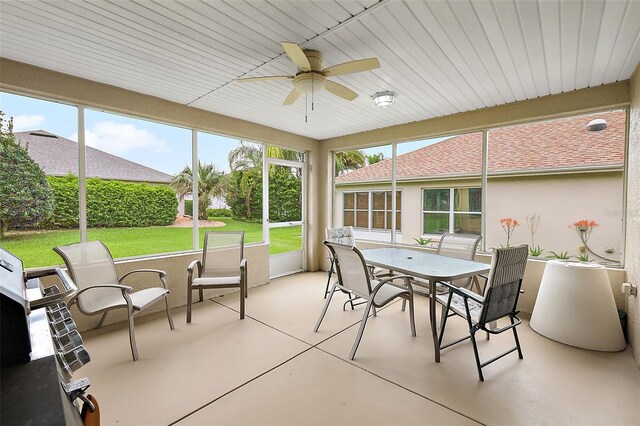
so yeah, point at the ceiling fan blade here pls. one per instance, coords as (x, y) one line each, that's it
(297, 56)
(340, 90)
(353, 66)
(269, 77)
(292, 97)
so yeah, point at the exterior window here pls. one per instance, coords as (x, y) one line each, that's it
(451, 210)
(358, 209)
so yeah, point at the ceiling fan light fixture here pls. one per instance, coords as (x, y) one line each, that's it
(309, 82)
(384, 99)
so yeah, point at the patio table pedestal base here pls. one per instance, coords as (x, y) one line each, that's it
(575, 306)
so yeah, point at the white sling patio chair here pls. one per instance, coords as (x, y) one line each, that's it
(500, 300)
(354, 278)
(100, 290)
(461, 246)
(222, 266)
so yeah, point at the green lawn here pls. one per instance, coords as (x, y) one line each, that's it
(35, 249)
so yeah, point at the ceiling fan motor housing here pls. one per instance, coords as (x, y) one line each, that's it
(309, 82)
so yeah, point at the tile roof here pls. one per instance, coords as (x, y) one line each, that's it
(58, 156)
(557, 144)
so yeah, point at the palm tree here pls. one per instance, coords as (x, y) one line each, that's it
(347, 161)
(210, 184)
(247, 160)
(375, 158)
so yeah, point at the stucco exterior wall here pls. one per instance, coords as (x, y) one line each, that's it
(632, 248)
(559, 200)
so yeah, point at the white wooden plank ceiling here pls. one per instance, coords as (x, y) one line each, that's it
(440, 57)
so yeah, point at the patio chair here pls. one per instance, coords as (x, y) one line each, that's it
(343, 235)
(499, 301)
(461, 246)
(354, 278)
(222, 266)
(100, 290)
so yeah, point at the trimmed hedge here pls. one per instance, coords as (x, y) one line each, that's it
(219, 213)
(112, 203)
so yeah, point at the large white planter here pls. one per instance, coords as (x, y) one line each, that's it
(575, 306)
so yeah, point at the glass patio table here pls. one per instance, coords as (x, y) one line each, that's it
(426, 266)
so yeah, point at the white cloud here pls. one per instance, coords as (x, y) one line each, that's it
(120, 139)
(27, 122)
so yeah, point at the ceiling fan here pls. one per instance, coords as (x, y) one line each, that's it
(312, 78)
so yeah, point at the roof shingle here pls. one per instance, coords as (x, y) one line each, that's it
(58, 156)
(558, 144)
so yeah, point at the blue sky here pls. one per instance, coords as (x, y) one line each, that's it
(159, 146)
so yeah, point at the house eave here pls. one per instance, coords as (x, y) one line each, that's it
(499, 174)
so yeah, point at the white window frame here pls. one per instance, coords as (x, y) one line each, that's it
(451, 212)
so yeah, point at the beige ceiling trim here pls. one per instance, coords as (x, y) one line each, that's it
(609, 96)
(25, 79)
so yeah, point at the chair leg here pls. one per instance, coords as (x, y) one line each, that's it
(132, 336)
(475, 353)
(200, 292)
(443, 318)
(363, 323)
(326, 306)
(242, 297)
(404, 304)
(515, 336)
(189, 301)
(329, 273)
(104, 317)
(246, 283)
(169, 317)
(411, 316)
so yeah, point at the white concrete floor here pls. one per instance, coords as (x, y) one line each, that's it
(272, 369)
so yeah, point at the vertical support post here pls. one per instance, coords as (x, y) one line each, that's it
(394, 161)
(265, 195)
(82, 177)
(195, 178)
(483, 209)
(305, 200)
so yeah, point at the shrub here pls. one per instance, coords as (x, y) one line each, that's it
(188, 208)
(113, 203)
(219, 213)
(25, 195)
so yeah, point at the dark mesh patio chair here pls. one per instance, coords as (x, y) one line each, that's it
(100, 290)
(354, 278)
(223, 266)
(499, 301)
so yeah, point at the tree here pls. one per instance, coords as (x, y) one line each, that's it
(245, 182)
(25, 196)
(347, 161)
(375, 158)
(211, 183)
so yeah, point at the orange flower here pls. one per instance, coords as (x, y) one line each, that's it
(509, 224)
(584, 227)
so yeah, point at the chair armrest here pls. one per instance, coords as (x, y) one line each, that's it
(123, 288)
(388, 281)
(195, 265)
(243, 264)
(162, 275)
(461, 291)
